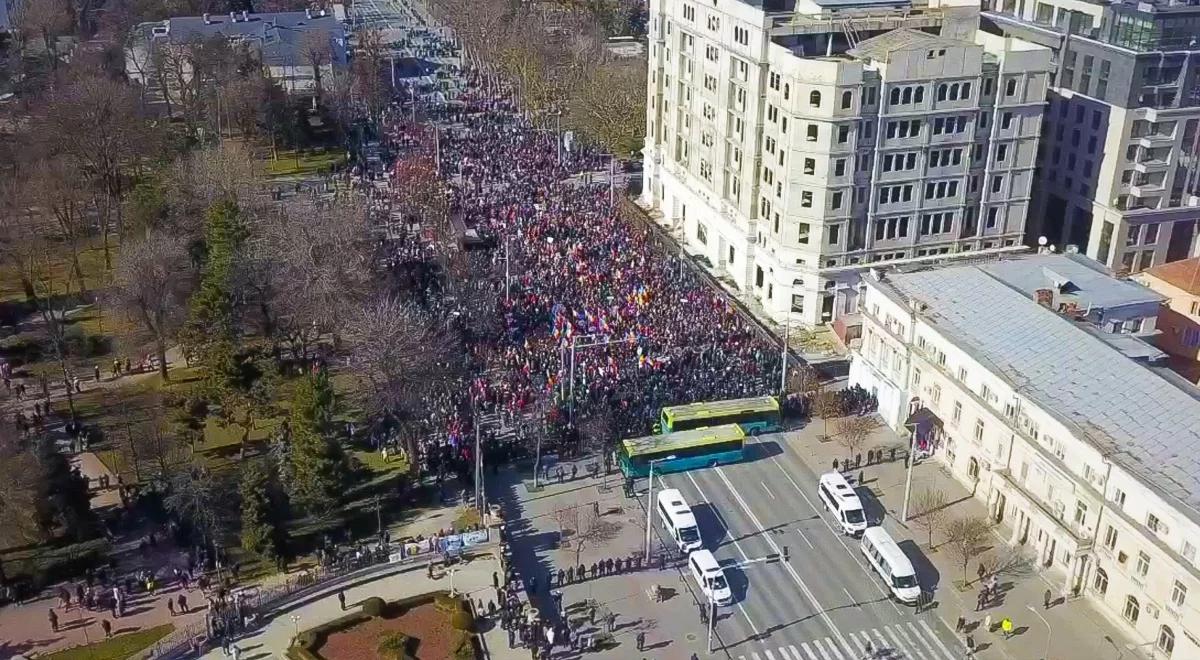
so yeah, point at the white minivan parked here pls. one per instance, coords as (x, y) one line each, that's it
(711, 578)
(890, 562)
(678, 521)
(837, 496)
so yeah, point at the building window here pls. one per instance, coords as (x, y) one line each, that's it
(916, 377)
(811, 133)
(1080, 512)
(936, 395)
(1132, 609)
(1153, 523)
(1110, 537)
(839, 167)
(1100, 584)
(1179, 594)
(834, 231)
(806, 199)
(1143, 564)
(843, 134)
(1010, 87)
(1166, 640)
(835, 203)
(1119, 497)
(979, 426)
(1006, 120)
(956, 416)
(702, 234)
(814, 99)
(847, 100)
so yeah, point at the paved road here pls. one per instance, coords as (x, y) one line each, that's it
(822, 604)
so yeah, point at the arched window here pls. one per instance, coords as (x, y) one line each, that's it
(847, 100)
(895, 96)
(941, 92)
(1010, 87)
(954, 92)
(1100, 584)
(1166, 640)
(907, 95)
(920, 95)
(811, 133)
(1132, 609)
(814, 99)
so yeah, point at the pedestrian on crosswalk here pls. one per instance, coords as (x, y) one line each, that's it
(1007, 626)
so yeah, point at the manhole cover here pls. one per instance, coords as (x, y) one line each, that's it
(691, 637)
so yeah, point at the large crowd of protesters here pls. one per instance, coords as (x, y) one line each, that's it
(647, 330)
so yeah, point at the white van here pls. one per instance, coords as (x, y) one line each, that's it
(711, 578)
(890, 562)
(837, 496)
(677, 519)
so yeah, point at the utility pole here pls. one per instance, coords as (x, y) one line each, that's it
(478, 467)
(712, 622)
(910, 459)
(558, 134)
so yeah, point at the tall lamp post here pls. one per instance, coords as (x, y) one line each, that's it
(650, 501)
(1049, 630)
(913, 407)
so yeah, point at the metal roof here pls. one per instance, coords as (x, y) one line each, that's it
(1139, 420)
(726, 407)
(881, 47)
(682, 440)
(1078, 278)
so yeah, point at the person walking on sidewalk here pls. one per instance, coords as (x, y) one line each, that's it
(641, 641)
(342, 600)
(1046, 599)
(960, 624)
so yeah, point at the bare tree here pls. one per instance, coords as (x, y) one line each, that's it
(59, 188)
(568, 523)
(316, 50)
(400, 353)
(595, 531)
(19, 477)
(929, 511)
(47, 20)
(853, 433)
(967, 539)
(151, 284)
(826, 405)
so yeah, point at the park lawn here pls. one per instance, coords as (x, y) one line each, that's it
(91, 261)
(466, 519)
(117, 648)
(373, 461)
(292, 163)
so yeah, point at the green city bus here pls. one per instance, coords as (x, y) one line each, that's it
(706, 447)
(755, 415)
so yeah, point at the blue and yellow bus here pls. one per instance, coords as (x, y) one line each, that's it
(755, 415)
(707, 447)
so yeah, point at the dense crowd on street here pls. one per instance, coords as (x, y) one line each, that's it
(647, 330)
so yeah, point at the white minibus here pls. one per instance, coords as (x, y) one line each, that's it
(677, 519)
(890, 562)
(837, 496)
(711, 578)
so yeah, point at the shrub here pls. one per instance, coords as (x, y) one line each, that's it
(24, 347)
(463, 621)
(373, 606)
(446, 603)
(395, 645)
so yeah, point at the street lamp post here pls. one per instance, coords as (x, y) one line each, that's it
(787, 330)
(650, 501)
(1049, 630)
(712, 622)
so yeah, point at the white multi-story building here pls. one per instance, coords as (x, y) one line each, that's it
(792, 145)
(1120, 149)
(1086, 458)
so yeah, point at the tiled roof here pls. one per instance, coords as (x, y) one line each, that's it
(1135, 417)
(1184, 274)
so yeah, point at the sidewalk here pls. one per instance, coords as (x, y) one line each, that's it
(1078, 629)
(472, 580)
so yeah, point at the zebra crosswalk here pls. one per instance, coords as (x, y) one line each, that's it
(899, 641)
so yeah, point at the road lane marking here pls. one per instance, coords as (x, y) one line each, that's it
(836, 535)
(895, 641)
(786, 565)
(808, 651)
(803, 536)
(737, 545)
(770, 656)
(904, 634)
(926, 644)
(936, 639)
(862, 648)
(764, 485)
(880, 642)
(848, 595)
(795, 652)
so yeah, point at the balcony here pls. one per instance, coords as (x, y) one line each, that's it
(1146, 189)
(1151, 165)
(1079, 535)
(1155, 140)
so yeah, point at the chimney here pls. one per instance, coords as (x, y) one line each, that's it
(232, 17)
(207, 19)
(245, 15)
(307, 12)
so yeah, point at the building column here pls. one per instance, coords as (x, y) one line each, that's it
(1016, 533)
